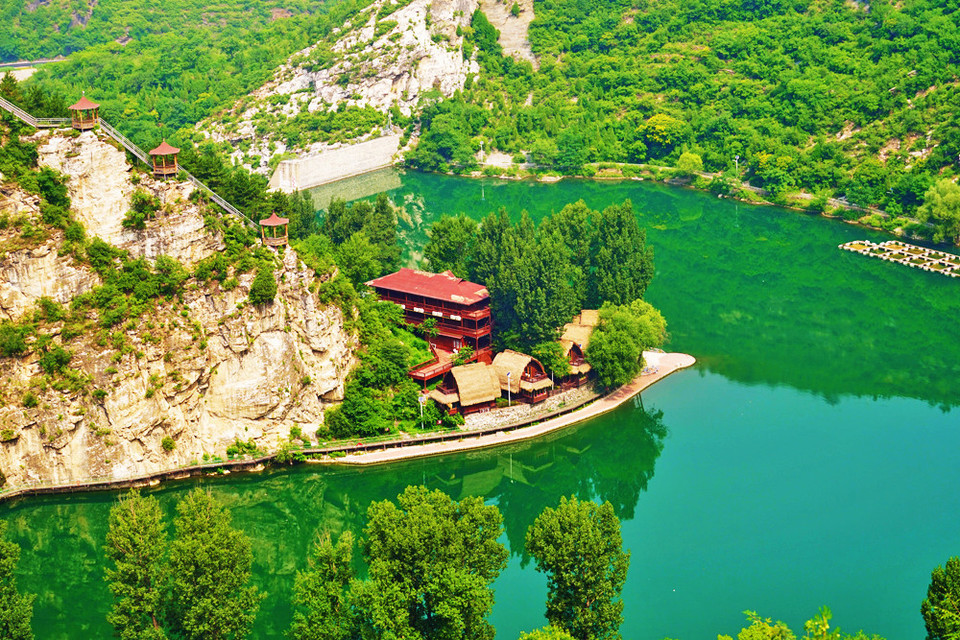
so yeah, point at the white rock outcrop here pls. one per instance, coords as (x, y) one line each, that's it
(380, 62)
(30, 274)
(101, 187)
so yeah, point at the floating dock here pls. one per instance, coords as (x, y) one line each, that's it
(908, 254)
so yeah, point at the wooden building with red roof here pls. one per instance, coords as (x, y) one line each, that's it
(460, 308)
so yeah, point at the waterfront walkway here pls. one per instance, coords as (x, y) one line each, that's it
(372, 451)
(660, 365)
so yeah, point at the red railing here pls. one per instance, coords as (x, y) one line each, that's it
(430, 372)
(457, 332)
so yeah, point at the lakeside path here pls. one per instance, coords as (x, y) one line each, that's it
(666, 364)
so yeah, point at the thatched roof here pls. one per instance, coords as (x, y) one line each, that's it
(514, 363)
(476, 383)
(543, 383)
(448, 399)
(588, 317)
(568, 346)
(579, 333)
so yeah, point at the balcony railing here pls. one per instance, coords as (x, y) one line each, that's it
(436, 311)
(457, 332)
(430, 372)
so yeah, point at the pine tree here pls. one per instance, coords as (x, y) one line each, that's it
(137, 545)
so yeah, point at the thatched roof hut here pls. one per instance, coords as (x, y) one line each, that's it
(573, 353)
(588, 317)
(517, 364)
(475, 383)
(576, 338)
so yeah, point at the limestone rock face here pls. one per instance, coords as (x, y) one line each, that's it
(379, 62)
(101, 188)
(99, 184)
(30, 274)
(227, 371)
(203, 370)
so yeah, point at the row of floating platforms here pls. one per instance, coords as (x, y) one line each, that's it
(908, 254)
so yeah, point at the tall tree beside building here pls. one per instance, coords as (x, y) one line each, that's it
(16, 609)
(578, 545)
(451, 245)
(431, 563)
(575, 225)
(321, 594)
(491, 237)
(210, 568)
(377, 221)
(545, 295)
(622, 262)
(137, 546)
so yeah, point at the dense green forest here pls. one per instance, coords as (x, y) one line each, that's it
(854, 98)
(61, 27)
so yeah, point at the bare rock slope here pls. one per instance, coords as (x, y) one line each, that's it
(202, 371)
(390, 54)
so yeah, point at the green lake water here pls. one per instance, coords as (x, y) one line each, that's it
(809, 458)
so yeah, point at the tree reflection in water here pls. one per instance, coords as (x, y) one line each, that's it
(610, 458)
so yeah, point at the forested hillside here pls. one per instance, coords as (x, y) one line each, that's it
(48, 28)
(169, 63)
(810, 95)
(853, 99)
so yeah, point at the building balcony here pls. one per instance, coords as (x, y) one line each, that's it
(464, 332)
(435, 370)
(451, 312)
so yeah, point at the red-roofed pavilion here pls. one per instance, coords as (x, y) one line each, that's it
(84, 114)
(165, 160)
(274, 222)
(460, 308)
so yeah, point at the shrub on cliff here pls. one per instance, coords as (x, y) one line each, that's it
(264, 287)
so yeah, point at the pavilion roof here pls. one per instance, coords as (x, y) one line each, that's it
(439, 286)
(83, 104)
(274, 221)
(165, 149)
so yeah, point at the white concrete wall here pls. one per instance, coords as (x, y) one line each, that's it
(336, 164)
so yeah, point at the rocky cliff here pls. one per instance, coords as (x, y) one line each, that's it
(197, 371)
(390, 54)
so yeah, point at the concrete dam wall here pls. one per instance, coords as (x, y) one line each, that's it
(336, 164)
